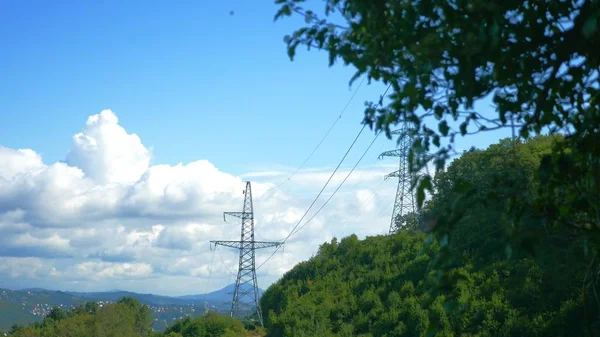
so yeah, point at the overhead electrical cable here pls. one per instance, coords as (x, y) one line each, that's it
(293, 231)
(320, 142)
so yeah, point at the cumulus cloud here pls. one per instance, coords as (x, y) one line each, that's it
(106, 218)
(107, 153)
(18, 161)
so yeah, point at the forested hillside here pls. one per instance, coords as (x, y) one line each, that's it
(495, 275)
(32, 305)
(127, 317)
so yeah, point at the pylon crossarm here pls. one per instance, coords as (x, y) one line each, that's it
(398, 132)
(392, 153)
(266, 244)
(392, 175)
(241, 215)
(232, 244)
(257, 244)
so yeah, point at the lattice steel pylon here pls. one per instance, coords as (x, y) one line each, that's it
(405, 200)
(245, 295)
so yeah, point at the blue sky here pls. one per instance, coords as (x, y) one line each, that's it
(194, 83)
(190, 79)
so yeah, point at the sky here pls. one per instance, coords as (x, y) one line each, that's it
(127, 128)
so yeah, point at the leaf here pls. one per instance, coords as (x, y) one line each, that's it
(590, 26)
(320, 38)
(444, 240)
(427, 103)
(420, 196)
(292, 50)
(463, 128)
(439, 111)
(503, 116)
(443, 127)
(508, 251)
(285, 10)
(308, 16)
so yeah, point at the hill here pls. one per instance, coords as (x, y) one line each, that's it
(485, 276)
(126, 317)
(31, 305)
(219, 296)
(24, 307)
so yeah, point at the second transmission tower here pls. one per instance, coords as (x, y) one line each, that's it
(404, 203)
(246, 296)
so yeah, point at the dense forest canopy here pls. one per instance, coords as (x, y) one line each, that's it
(388, 286)
(539, 62)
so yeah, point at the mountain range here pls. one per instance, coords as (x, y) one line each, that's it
(29, 305)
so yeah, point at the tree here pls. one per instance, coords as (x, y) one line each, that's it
(56, 314)
(91, 307)
(15, 328)
(143, 318)
(537, 60)
(408, 221)
(385, 285)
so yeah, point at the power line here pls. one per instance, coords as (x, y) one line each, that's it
(339, 186)
(320, 142)
(367, 202)
(373, 194)
(209, 273)
(225, 264)
(328, 180)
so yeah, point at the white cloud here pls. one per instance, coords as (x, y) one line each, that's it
(107, 153)
(105, 218)
(19, 161)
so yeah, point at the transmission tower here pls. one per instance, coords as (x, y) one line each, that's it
(405, 201)
(245, 295)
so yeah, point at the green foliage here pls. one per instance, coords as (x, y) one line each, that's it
(402, 286)
(537, 60)
(208, 325)
(128, 318)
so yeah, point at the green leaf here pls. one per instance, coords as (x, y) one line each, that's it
(444, 240)
(508, 251)
(420, 196)
(292, 50)
(439, 112)
(590, 26)
(427, 103)
(320, 38)
(308, 16)
(443, 127)
(285, 10)
(463, 128)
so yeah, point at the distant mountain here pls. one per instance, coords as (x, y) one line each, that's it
(29, 305)
(219, 296)
(34, 289)
(143, 298)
